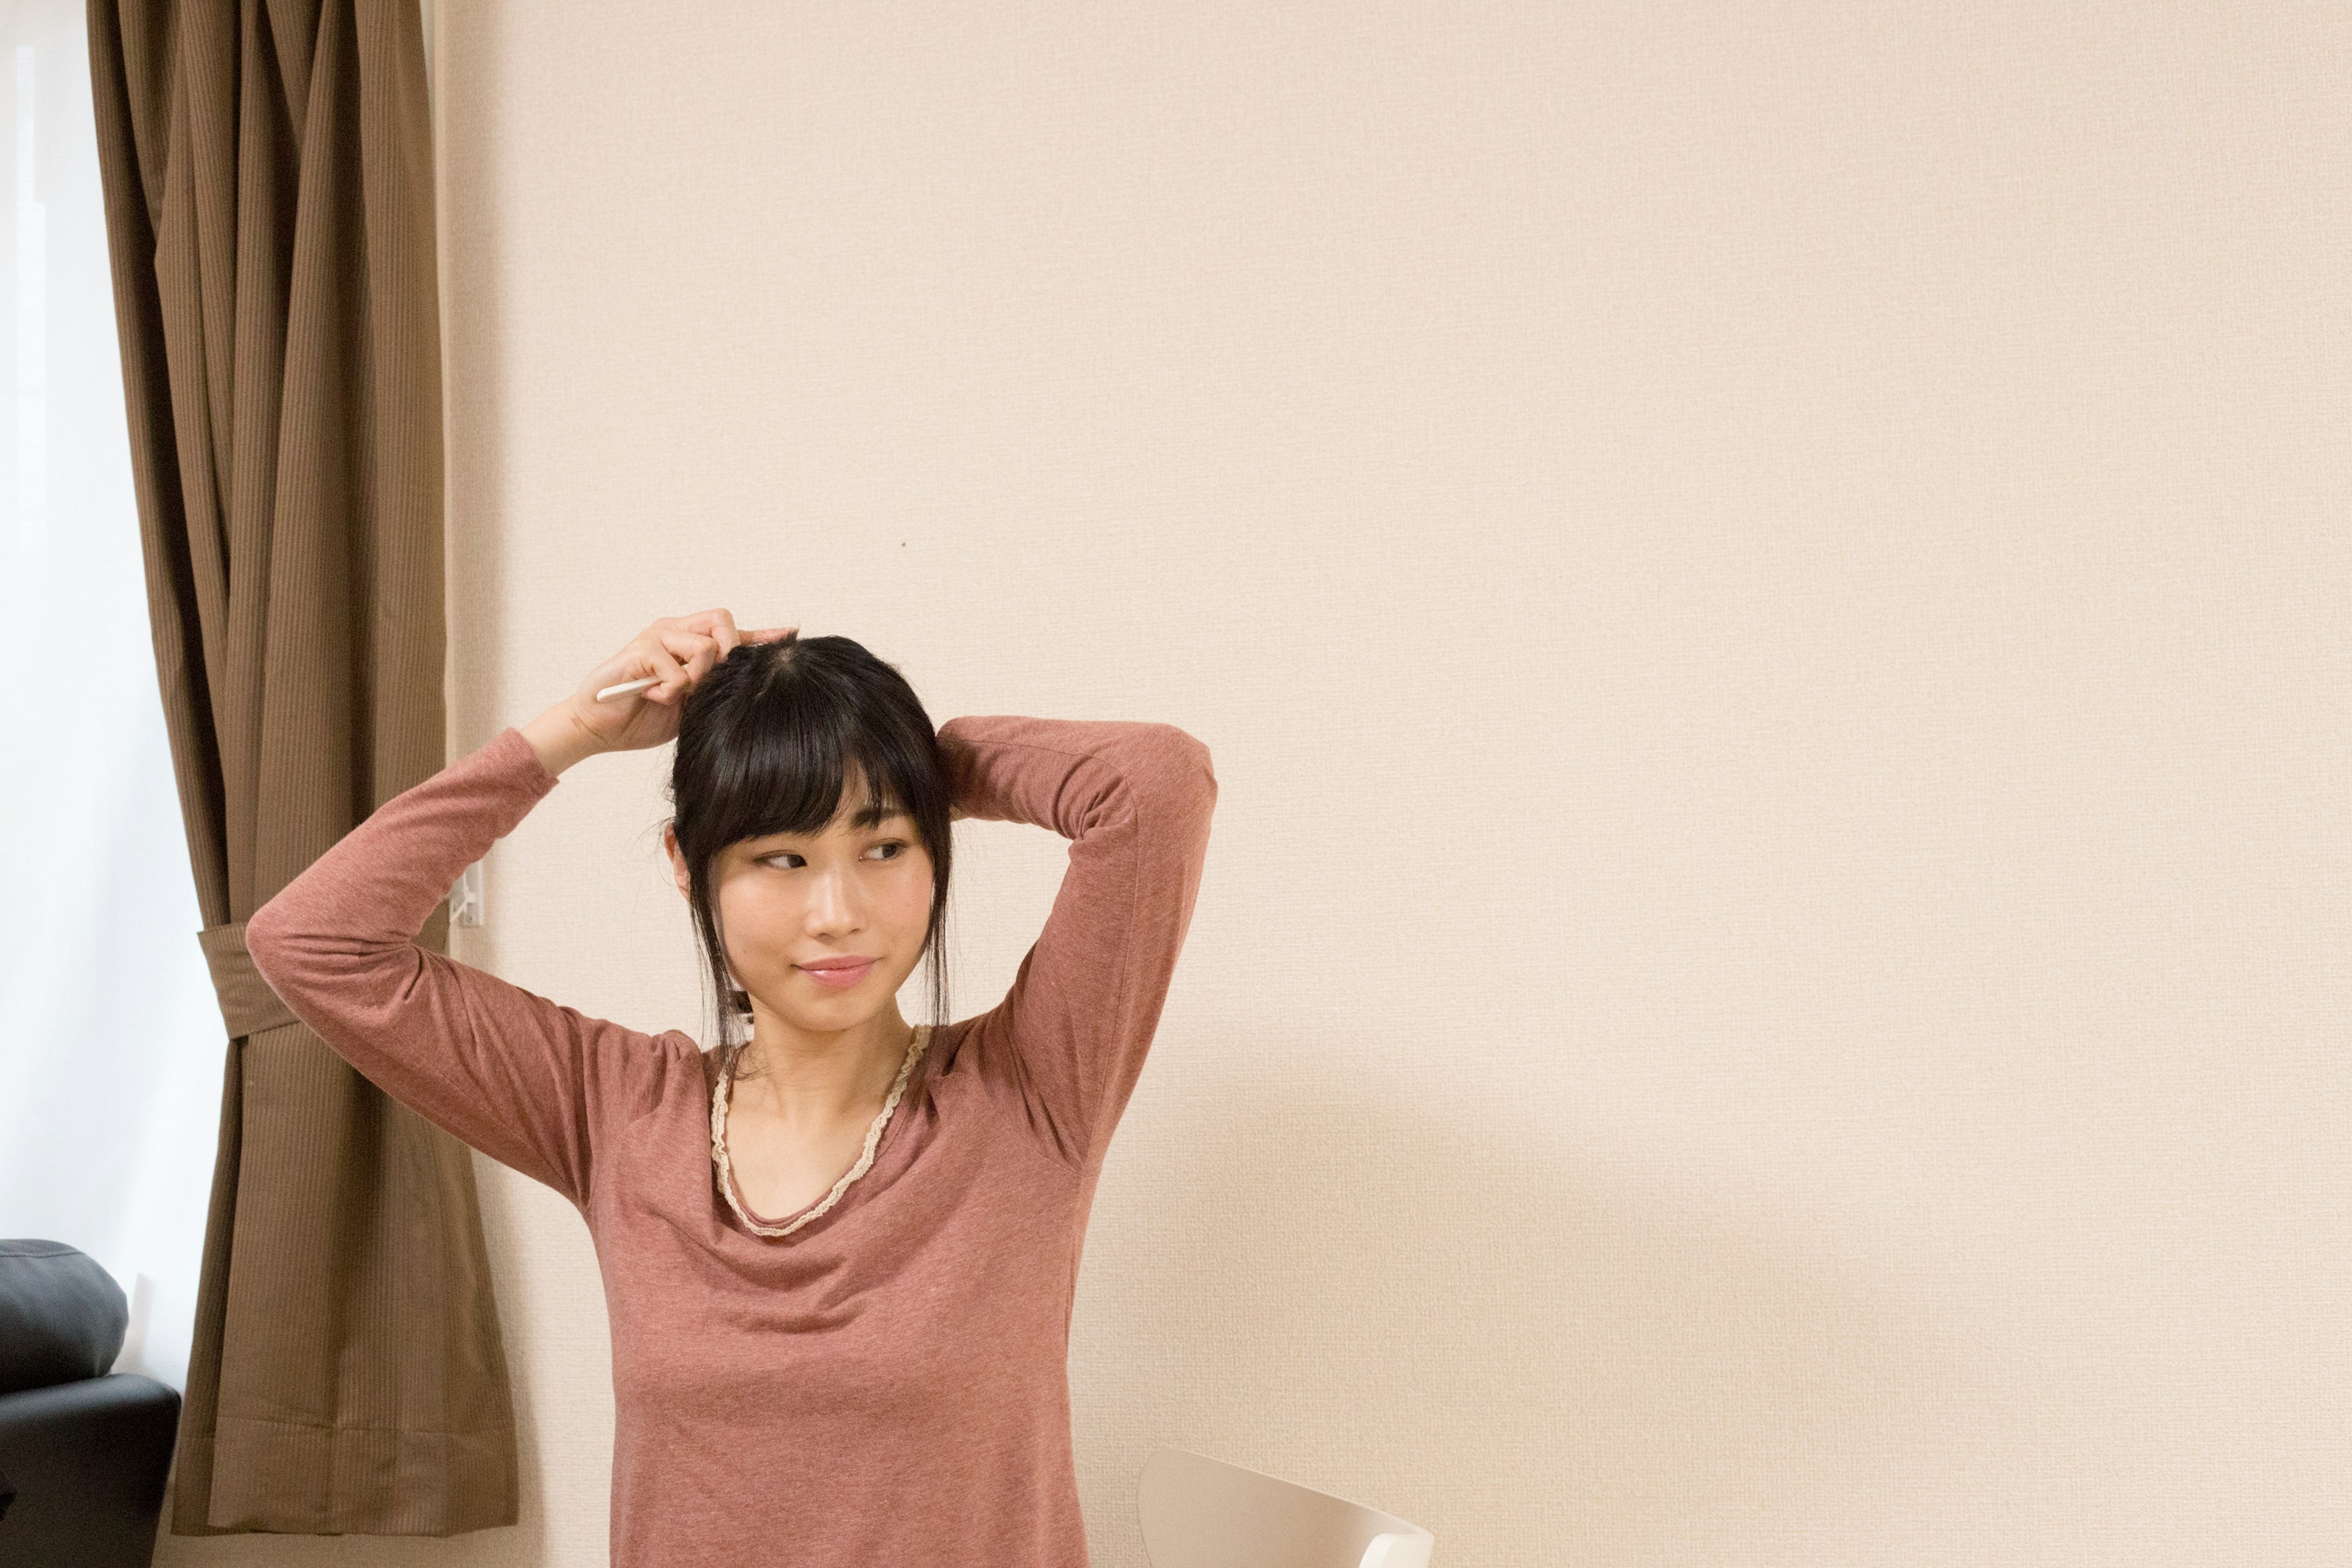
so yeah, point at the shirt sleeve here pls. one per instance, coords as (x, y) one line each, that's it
(526, 1080)
(1135, 800)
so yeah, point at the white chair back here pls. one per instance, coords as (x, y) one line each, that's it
(1200, 1512)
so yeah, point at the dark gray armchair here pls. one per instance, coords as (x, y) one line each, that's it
(84, 1452)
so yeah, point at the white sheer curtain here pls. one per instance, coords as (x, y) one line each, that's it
(110, 1043)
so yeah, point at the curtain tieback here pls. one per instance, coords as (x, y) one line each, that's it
(248, 1005)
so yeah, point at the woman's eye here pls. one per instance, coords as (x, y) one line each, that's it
(899, 845)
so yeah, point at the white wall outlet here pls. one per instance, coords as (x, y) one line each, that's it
(466, 897)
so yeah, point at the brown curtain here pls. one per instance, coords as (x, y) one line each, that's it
(268, 188)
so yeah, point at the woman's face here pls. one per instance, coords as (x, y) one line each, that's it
(789, 900)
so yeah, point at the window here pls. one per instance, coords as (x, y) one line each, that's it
(111, 1045)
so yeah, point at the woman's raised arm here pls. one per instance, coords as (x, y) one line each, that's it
(526, 1080)
(1135, 800)
(529, 1082)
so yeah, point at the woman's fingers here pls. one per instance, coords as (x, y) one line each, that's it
(720, 627)
(679, 651)
(673, 675)
(695, 652)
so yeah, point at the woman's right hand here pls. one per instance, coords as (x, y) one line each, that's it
(679, 650)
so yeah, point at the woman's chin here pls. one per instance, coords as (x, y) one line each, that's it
(820, 1007)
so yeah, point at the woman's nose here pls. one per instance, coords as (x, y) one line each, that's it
(835, 902)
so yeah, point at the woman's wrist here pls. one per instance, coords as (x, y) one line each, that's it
(559, 739)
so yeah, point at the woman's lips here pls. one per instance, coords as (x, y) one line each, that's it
(840, 978)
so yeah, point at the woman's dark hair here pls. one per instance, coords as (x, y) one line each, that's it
(765, 745)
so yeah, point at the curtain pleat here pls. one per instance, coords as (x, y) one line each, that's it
(268, 188)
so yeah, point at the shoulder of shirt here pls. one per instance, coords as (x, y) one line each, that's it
(665, 1066)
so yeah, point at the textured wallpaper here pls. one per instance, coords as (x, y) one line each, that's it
(1768, 587)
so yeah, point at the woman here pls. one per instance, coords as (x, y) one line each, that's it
(839, 1251)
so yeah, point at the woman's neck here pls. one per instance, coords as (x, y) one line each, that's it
(821, 1080)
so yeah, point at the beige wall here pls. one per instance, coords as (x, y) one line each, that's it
(1767, 586)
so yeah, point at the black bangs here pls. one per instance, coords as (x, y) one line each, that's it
(774, 780)
(773, 741)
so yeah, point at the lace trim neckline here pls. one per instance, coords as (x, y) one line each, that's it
(914, 1048)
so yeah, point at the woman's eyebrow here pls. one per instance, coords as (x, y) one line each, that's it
(870, 817)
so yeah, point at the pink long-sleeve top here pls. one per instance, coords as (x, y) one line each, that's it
(887, 1383)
